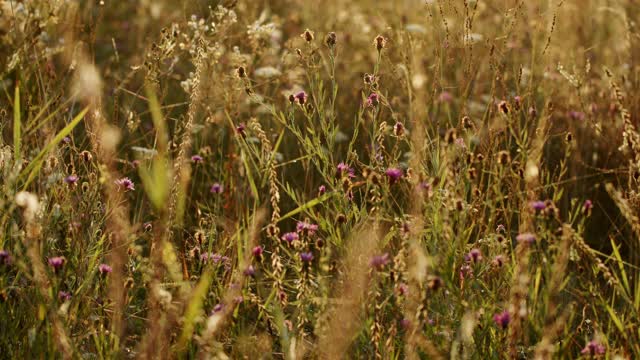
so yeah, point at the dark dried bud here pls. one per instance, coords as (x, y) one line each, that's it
(308, 35)
(473, 173)
(435, 283)
(241, 72)
(569, 137)
(504, 107)
(341, 218)
(504, 158)
(331, 40)
(467, 124)
(380, 42)
(451, 136)
(398, 129)
(86, 156)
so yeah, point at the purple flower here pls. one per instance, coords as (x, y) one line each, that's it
(56, 262)
(403, 289)
(528, 238)
(373, 100)
(379, 261)
(301, 97)
(576, 115)
(216, 188)
(240, 129)
(250, 271)
(306, 256)
(257, 251)
(125, 183)
(502, 319)
(321, 190)
(593, 348)
(306, 228)
(104, 269)
(71, 179)
(500, 229)
(405, 323)
(465, 271)
(196, 159)
(290, 237)
(538, 205)
(394, 174)
(498, 260)
(66, 139)
(587, 206)
(343, 169)
(64, 296)
(5, 257)
(218, 308)
(475, 255)
(445, 97)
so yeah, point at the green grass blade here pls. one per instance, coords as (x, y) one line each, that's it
(16, 125)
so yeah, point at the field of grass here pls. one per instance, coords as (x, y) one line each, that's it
(293, 179)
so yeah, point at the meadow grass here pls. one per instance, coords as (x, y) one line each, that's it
(339, 179)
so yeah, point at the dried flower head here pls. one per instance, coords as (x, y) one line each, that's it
(331, 40)
(380, 42)
(104, 269)
(126, 184)
(307, 35)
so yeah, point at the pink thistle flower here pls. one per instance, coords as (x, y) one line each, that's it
(126, 184)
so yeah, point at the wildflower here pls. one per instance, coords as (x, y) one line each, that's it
(593, 348)
(518, 101)
(379, 261)
(241, 72)
(218, 308)
(306, 228)
(125, 183)
(504, 157)
(216, 188)
(56, 263)
(5, 257)
(504, 107)
(64, 296)
(290, 237)
(435, 283)
(249, 271)
(538, 205)
(527, 238)
(445, 97)
(405, 323)
(196, 159)
(475, 255)
(576, 115)
(500, 229)
(86, 156)
(321, 190)
(451, 136)
(403, 289)
(240, 129)
(341, 218)
(306, 256)
(148, 226)
(394, 174)
(300, 97)
(502, 319)
(257, 252)
(467, 123)
(71, 179)
(104, 269)
(343, 169)
(587, 206)
(498, 261)
(373, 100)
(465, 271)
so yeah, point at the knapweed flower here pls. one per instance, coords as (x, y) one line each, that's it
(344, 169)
(500, 229)
(64, 296)
(475, 255)
(104, 269)
(148, 226)
(498, 261)
(71, 179)
(5, 257)
(393, 174)
(445, 97)
(587, 206)
(306, 228)
(322, 190)
(538, 205)
(403, 289)
(257, 251)
(217, 308)
(576, 115)
(527, 238)
(196, 159)
(306, 256)
(373, 100)
(216, 188)
(593, 348)
(250, 271)
(56, 262)
(301, 97)
(379, 261)
(126, 184)
(502, 319)
(290, 237)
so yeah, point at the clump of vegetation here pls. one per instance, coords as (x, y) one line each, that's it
(287, 179)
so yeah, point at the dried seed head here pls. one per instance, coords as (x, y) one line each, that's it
(308, 35)
(398, 129)
(341, 218)
(273, 230)
(435, 283)
(568, 137)
(503, 107)
(451, 136)
(504, 158)
(380, 42)
(86, 156)
(467, 124)
(241, 72)
(473, 173)
(331, 40)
